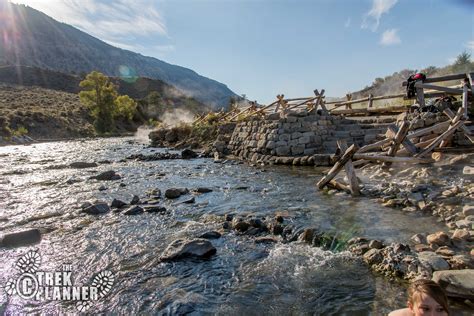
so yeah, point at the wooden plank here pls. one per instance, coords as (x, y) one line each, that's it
(260, 110)
(301, 103)
(463, 127)
(399, 137)
(406, 143)
(454, 120)
(350, 172)
(442, 78)
(320, 101)
(465, 100)
(458, 149)
(439, 139)
(389, 159)
(438, 88)
(470, 77)
(338, 166)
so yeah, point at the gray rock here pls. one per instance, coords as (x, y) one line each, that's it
(173, 193)
(134, 210)
(432, 260)
(468, 210)
(203, 190)
(188, 154)
(82, 165)
(190, 200)
(97, 209)
(135, 200)
(20, 239)
(373, 256)
(464, 223)
(211, 235)
(154, 209)
(107, 176)
(102, 188)
(117, 203)
(419, 239)
(456, 283)
(182, 249)
(375, 244)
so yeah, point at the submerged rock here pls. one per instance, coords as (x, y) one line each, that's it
(182, 249)
(97, 208)
(457, 283)
(203, 190)
(154, 209)
(20, 239)
(135, 200)
(174, 193)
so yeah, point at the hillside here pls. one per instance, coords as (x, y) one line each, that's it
(168, 96)
(46, 114)
(36, 39)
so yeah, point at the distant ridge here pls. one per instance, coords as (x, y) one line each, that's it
(36, 39)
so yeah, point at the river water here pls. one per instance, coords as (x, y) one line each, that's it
(37, 190)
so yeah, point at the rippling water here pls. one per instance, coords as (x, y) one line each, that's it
(38, 191)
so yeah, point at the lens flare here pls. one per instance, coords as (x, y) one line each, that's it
(127, 74)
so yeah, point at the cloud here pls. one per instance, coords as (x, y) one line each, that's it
(390, 37)
(348, 22)
(118, 22)
(379, 7)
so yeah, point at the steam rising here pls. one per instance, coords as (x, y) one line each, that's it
(177, 116)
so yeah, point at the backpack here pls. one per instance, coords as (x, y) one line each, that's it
(411, 90)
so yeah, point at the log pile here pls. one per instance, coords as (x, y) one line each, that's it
(400, 146)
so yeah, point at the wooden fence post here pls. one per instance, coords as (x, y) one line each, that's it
(370, 104)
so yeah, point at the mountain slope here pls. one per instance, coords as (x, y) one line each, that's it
(32, 38)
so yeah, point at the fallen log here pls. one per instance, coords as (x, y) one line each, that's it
(338, 166)
(390, 159)
(339, 186)
(351, 175)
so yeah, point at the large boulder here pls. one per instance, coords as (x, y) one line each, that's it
(182, 249)
(20, 239)
(433, 261)
(456, 283)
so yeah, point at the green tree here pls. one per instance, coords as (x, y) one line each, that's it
(99, 96)
(125, 107)
(462, 62)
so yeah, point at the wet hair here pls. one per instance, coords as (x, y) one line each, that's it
(429, 288)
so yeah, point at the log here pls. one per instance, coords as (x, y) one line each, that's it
(389, 110)
(428, 130)
(339, 186)
(454, 120)
(464, 100)
(464, 128)
(320, 101)
(399, 137)
(406, 143)
(350, 172)
(439, 139)
(338, 166)
(389, 159)
(458, 149)
(371, 101)
(420, 96)
(260, 110)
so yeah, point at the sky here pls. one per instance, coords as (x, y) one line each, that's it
(262, 48)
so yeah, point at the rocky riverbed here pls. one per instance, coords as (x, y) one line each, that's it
(193, 235)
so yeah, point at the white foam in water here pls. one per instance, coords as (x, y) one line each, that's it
(141, 135)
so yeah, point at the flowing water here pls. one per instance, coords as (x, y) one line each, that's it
(38, 191)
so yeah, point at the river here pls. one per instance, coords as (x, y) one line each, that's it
(37, 189)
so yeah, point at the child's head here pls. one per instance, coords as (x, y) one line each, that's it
(426, 297)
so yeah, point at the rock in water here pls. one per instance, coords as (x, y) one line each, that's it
(117, 203)
(203, 190)
(134, 210)
(182, 249)
(135, 200)
(155, 209)
(173, 193)
(211, 235)
(96, 209)
(456, 283)
(20, 239)
(188, 154)
(107, 176)
(432, 260)
(82, 165)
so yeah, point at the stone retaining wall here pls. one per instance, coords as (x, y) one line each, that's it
(298, 134)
